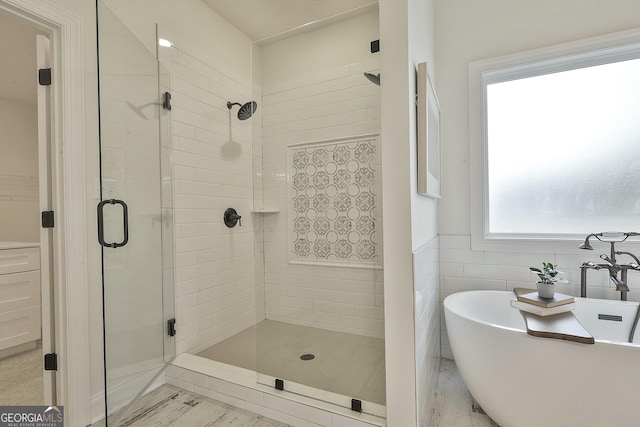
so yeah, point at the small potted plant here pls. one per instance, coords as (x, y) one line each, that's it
(548, 279)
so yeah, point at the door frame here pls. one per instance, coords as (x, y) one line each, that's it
(48, 309)
(69, 199)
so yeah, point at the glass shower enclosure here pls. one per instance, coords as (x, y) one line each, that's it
(133, 214)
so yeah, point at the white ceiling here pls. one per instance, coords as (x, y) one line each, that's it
(260, 19)
(18, 52)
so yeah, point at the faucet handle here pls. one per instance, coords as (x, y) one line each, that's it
(607, 259)
(231, 218)
(590, 264)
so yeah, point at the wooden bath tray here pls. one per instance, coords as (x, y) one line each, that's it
(563, 326)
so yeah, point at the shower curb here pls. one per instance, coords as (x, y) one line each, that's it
(239, 387)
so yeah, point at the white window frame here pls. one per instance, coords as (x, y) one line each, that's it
(579, 54)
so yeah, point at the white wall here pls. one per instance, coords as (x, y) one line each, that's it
(19, 172)
(467, 32)
(424, 224)
(190, 23)
(313, 90)
(426, 270)
(215, 295)
(407, 38)
(19, 138)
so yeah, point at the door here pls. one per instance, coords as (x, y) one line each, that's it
(130, 220)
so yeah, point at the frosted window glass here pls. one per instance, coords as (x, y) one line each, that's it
(563, 151)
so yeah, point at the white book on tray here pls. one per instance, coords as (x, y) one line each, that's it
(542, 311)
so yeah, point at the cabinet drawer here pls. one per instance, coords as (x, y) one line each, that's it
(19, 327)
(17, 260)
(19, 290)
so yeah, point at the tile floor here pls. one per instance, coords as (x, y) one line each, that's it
(454, 406)
(170, 406)
(347, 364)
(173, 406)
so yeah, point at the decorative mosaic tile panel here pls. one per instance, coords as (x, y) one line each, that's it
(333, 206)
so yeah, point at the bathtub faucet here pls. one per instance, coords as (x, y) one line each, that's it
(617, 272)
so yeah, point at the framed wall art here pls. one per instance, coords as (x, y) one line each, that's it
(429, 167)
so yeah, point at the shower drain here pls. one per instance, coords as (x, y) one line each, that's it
(307, 356)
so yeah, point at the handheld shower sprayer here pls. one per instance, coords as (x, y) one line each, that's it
(608, 237)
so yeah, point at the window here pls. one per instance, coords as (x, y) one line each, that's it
(555, 140)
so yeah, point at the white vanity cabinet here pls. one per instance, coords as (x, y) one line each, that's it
(20, 311)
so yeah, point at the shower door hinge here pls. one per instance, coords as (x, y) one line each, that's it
(47, 219)
(171, 327)
(375, 46)
(51, 362)
(44, 76)
(166, 101)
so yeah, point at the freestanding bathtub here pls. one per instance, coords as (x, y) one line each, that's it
(520, 380)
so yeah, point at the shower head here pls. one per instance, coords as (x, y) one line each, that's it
(373, 78)
(246, 110)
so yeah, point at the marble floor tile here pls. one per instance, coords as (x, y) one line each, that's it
(175, 407)
(454, 406)
(170, 406)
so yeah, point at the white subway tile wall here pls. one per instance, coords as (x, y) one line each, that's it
(426, 279)
(329, 101)
(463, 269)
(212, 167)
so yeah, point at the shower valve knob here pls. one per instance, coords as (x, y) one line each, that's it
(231, 218)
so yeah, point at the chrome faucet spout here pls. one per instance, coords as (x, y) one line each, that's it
(620, 285)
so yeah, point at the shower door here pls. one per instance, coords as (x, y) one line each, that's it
(131, 224)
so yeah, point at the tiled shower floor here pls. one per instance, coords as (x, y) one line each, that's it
(347, 364)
